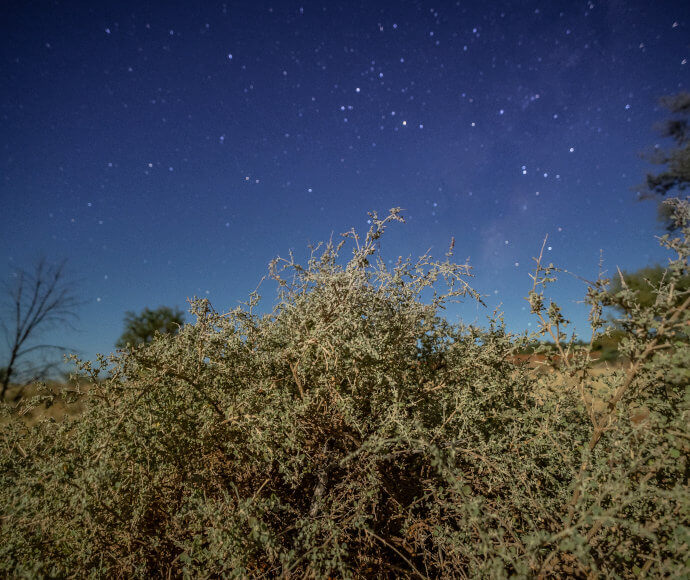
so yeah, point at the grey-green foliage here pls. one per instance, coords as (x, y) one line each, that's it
(353, 432)
(644, 285)
(143, 327)
(645, 282)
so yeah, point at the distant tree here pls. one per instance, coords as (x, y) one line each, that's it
(34, 303)
(141, 328)
(675, 178)
(645, 282)
(607, 345)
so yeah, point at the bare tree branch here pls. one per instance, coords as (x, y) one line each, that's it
(36, 302)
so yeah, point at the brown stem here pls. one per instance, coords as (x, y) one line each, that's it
(293, 368)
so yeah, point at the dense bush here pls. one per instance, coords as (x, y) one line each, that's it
(354, 432)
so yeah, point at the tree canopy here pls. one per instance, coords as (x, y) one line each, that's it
(675, 176)
(142, 328)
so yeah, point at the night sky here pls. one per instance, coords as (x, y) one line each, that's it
(171, 150)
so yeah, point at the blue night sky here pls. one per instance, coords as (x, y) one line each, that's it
(169, 150)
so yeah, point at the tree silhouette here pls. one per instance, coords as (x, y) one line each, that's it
(141, 328)
(36, 302)
(675, 178)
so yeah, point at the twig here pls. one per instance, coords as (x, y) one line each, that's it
(380, 539)
(293, 368)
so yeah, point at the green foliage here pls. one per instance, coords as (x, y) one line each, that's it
(353, 432)
(142, 328)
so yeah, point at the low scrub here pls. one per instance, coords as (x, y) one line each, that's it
(354, 432)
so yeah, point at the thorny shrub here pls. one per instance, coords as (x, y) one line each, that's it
(354, 432)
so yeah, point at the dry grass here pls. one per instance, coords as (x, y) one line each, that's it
(599, 380)
(19, 398)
